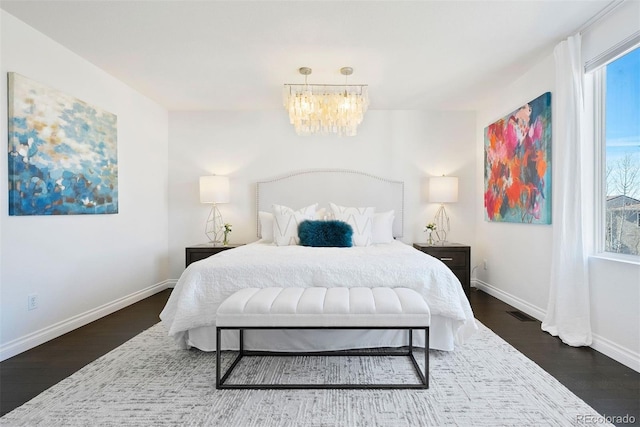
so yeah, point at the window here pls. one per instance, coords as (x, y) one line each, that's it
(618, 133)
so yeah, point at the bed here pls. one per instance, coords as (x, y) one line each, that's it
(189, 315)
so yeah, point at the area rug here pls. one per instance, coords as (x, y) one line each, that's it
(149, 382)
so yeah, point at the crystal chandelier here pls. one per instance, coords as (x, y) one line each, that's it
(326, 108)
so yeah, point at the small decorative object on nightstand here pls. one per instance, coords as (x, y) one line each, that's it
(197, 252)
(227, 230)
(455, 256)
(429, 229)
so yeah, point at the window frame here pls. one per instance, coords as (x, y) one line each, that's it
(595, 84)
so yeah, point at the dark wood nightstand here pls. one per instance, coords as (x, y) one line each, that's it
(455, 256)
(205, 250)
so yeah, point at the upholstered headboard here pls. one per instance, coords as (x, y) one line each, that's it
(343, 187)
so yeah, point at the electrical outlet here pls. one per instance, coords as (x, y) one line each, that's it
(32, 302)
(484, 264)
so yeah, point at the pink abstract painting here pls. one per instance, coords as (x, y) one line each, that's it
(517, 165)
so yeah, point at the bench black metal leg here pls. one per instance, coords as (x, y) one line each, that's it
(220, 382)
(426, 357)
(410, 341)
(218, 351)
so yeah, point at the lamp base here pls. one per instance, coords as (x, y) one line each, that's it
(214, 226)
(441, 219)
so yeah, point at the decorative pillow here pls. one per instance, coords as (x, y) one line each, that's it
(285, 223)
(332, 233)
(360, 219)
(382, 231)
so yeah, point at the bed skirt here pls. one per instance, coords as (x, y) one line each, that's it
(442, 337)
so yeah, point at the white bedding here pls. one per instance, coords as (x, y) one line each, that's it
(191, 310)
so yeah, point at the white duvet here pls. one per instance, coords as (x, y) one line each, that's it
(205, 284)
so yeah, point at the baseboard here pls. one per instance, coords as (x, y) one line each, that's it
(618, 353)
(41, 336)
(522, 305)
(171, 283)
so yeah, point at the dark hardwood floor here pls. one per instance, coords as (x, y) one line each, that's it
(609, 387)
(28, 374)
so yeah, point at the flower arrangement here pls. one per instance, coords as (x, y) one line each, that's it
(430, 228)
(227, 230)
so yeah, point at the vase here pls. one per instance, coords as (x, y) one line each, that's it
(430, 238)
(225, 241)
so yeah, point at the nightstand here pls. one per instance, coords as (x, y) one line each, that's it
(455, 256)
(205, 250)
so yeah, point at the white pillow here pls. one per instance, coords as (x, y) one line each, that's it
(266, 226)
(360, 219)
(382, 231)
(266, 223)
(285, 223)
(321, 214)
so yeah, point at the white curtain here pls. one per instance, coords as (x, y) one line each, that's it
(568, 308)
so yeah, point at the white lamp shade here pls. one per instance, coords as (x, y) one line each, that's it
(214, 189)
(443, 189)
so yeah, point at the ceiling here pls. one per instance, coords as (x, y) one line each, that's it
(236, 55)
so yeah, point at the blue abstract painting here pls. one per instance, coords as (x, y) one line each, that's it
(62, 153)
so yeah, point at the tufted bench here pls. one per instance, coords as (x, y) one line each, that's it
(324, 308)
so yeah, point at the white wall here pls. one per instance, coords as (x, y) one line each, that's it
(82, 267)
(519, 255)
(252, 146)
